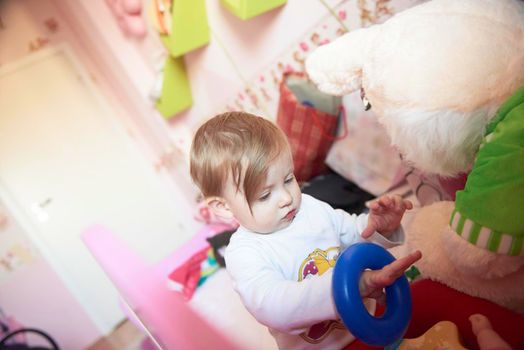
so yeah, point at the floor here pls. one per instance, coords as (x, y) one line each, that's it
(125, 337)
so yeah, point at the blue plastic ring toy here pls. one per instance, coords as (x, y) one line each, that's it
(375, 331)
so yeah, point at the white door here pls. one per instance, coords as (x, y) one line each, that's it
(66, 163)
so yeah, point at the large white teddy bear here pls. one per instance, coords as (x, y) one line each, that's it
(446, 80)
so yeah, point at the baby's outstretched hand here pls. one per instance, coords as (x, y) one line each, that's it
(385, 214)
(372, 282)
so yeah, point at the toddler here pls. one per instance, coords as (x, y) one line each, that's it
(282, 255)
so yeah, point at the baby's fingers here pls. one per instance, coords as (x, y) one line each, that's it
(391, 272)
(386, 201)
(401, 203)
(376, 207)
(379, 296)
(397, 267)
(368, 231)
(381, 205)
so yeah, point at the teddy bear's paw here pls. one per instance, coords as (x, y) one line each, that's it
(474, 261)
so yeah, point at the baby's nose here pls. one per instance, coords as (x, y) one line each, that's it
(286, 199)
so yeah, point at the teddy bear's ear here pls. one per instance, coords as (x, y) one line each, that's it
(337, 67)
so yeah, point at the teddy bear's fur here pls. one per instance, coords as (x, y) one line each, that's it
(435, 76)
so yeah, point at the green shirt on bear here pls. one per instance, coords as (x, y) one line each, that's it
(489, 212)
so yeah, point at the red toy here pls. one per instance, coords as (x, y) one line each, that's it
(434, 302)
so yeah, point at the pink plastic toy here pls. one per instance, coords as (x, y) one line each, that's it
(169, 321)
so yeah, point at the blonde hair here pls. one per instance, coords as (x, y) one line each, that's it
(237, 144)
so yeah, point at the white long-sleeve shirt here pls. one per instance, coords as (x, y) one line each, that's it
(284, 278)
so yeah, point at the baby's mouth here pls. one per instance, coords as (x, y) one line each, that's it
(289, 216)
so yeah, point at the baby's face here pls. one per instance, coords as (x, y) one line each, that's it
(277, 203)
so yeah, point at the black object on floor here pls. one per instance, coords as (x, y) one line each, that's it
(338, 192)
(5, 346)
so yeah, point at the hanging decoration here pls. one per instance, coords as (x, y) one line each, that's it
(182, 24)
(175, 95)
(245, 9)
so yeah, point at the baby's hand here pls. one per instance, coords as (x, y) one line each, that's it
(385, 214)
(372, 282)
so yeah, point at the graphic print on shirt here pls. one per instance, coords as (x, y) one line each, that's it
(315, 264)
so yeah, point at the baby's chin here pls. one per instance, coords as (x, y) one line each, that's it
(283, 224)
(262, 230)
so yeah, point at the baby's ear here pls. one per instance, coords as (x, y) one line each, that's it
(219, 207)
(336, 67)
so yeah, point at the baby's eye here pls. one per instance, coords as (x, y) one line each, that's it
(289, 179)
(264, 196)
